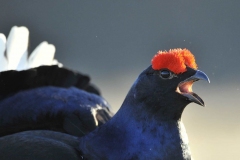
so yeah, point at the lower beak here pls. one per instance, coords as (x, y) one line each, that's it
(185, 87)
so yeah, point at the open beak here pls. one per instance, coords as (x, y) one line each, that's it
(185, 87)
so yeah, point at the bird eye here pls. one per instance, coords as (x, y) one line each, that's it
(166, 74)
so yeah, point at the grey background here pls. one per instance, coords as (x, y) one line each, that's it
(113, 41)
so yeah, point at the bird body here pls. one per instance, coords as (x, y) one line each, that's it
(48, 96)
(61, 120)
(134, 140)
(50, 108)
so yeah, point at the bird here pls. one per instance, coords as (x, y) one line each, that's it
(55, 119)
(14, 51)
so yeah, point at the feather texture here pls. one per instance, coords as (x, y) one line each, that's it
(17, 45)
(16, 50)
(42, 55)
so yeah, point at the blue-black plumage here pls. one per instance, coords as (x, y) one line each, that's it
(50, 112)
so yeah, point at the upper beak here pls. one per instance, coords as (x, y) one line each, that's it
(199, 75)
(185, 87)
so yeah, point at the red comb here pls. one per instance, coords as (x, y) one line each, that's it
(175, 60)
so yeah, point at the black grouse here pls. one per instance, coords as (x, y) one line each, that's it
(50, 112)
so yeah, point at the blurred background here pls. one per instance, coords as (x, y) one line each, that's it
(113, 41)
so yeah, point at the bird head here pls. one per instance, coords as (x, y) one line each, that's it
(165, 87)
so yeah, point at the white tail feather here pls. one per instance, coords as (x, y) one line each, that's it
(42, 55)
(16, 48)
(3, 60)
(55, 62)
(17, 45)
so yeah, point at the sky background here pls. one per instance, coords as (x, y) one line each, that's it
(113, 41)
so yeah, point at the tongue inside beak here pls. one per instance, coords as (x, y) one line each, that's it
(185, 87)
